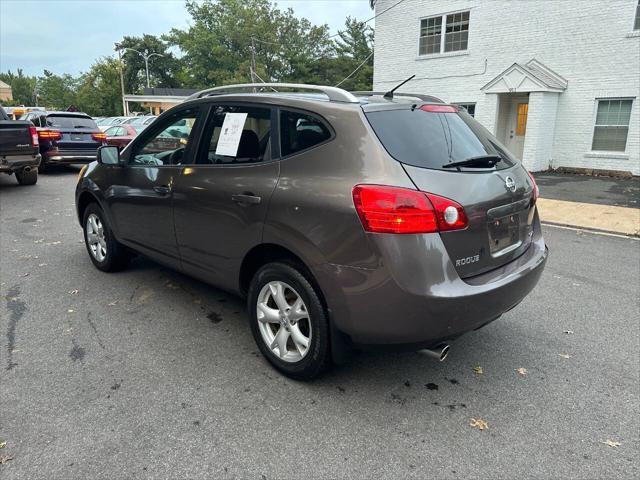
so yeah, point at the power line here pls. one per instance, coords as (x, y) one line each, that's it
(374, 17)
(333, 36)
(339, 32)
(352, 73)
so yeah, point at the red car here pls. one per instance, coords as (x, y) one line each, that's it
(121, 135)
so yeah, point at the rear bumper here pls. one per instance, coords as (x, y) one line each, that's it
(416, 298)
(17, 162)
(70, 156)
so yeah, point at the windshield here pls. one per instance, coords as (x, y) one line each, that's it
(70, 121)
(432, 140)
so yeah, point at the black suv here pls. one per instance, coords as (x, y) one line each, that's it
(66, 137)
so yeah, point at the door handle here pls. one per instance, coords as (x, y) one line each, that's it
(162, 189)
(246, 198)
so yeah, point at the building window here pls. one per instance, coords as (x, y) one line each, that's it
(636, 23)
(523, 112)
(430, 35)
(469, 107)
(454, 39)
(612, 125)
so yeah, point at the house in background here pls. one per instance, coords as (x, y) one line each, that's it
(558, 82)
(5, 92)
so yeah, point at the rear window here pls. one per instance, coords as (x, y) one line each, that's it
(70, 121)
(432, 140)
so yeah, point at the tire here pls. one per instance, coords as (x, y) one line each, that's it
(107, 254)
(27, 178)
(308, 319)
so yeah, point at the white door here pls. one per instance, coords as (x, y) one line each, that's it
(518, 111)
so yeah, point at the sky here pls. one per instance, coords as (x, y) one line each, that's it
(67, 36)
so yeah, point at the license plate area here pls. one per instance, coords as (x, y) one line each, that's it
(504, 234)
(77, 137)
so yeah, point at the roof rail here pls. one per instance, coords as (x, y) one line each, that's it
(334, 94)
(424, 98)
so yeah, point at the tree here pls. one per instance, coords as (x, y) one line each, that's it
(98, 91)
(228, 41)
(56, 91)
(353, 47)
(162, 70)
(22, 87)
(225, 34)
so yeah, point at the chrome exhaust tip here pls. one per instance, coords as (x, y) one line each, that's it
(440, 352)
(26, 169)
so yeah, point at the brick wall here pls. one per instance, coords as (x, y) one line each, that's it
(589, 43)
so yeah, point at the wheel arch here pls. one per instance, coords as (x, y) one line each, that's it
(269, 252)
(265, 253)
(84, 199)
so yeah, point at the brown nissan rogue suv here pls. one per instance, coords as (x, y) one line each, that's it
(344, 219)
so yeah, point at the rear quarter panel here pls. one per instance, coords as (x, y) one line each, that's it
(311, 210)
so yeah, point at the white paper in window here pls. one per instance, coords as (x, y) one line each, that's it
(230, 134)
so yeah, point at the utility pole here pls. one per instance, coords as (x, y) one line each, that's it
(146, 65)
(124, 104)
(253, 61)
(146, 61)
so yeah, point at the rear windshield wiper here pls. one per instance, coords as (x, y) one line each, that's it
(482, 161)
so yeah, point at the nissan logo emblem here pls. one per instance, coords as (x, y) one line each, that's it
(510, 184)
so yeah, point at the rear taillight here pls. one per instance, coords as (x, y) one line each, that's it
(49, 135)
(99, 136)
(385, 209)
(439, 108)
(536, 190)
(34, 136)
(450, 214)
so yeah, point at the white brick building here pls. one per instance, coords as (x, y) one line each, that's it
(557, 81)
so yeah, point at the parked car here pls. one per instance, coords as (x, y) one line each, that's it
(141, 120)
(393, 221)
(19, 153)
(66, 137)
(110, 122)
(121, 135)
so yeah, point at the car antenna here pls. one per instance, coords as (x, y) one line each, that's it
(389, 94)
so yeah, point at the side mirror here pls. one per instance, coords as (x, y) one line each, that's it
(109, 155)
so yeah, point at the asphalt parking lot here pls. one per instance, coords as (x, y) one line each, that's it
(150, 374)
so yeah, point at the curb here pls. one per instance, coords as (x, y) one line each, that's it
(590, 216)
(635, 236)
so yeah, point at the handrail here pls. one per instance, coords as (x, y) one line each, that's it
(334, 94)
(425, 98)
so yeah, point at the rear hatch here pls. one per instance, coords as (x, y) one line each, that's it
(77, 131)
(15, 138)
(495, 191)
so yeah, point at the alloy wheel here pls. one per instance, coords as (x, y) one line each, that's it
(284, 322)
(96, 238)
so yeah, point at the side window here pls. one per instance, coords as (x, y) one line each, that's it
(299, 131)
(113, 132)
(167, 145)
(236, 134)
